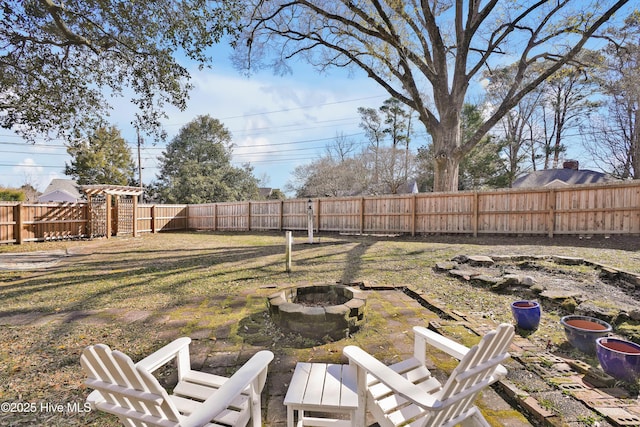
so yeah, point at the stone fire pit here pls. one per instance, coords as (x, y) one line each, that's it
(319, 311)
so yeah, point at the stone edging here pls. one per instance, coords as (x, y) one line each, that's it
(334, 321)
(456, 268)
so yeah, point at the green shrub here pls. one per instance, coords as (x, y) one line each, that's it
(11, 195)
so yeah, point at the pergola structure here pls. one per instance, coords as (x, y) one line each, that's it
(112, 209)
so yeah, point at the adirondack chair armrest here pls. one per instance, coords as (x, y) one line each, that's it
(441, 342)
(500, 372)
(255, 368)
(94, 398)
(176, 348)
(389, 377)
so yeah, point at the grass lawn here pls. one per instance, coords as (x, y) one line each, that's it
(137, 294)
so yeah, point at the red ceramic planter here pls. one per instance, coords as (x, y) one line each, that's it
(582, 331)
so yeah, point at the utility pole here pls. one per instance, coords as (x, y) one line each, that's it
(140, 165)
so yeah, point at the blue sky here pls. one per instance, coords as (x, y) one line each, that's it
(277, 123)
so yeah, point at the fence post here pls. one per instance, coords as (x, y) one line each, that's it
(19, 222)
(318, 218)
(109, 213)
(413, 215)
(89, 216)
(476, 214)
(281, 219)
(249, 215)
(551, 222)
(135, 216)
(153, 219)
(362, 204)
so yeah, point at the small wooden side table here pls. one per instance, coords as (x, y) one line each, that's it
(324, 388)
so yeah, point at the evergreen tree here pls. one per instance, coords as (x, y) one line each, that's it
(103, 158)
(196, 167)
(482, 167)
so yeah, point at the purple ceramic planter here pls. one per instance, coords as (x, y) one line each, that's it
(619, 358)
(526, 314)
(582, 331)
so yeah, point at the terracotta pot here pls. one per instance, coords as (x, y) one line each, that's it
(619, 358)
(526, 314)
(582, 331)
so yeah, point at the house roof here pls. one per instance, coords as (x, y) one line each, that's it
(559, 177)
(61, 190)
(265, 192)
(67, 185)
(57, 196)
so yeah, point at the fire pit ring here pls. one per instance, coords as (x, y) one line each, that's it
(319, 311)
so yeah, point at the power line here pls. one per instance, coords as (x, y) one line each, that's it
(35, 145)
(29, 166)
(22, 152)
(273, 161)
(286, 110)
(305, 141)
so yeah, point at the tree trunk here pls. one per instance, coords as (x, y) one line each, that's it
(635, 146)
(446, 144)
(446, 174)
(447, 138)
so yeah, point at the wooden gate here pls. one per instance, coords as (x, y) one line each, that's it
(124, 208)
(97, 215)
(112, 209)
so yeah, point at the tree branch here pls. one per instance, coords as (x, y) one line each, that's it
(73, 38)
(515, 95)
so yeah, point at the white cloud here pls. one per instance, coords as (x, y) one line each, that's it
(28, 171)
(269, 117)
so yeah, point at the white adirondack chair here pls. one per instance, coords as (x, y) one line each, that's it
(407, 394)
(132, 393)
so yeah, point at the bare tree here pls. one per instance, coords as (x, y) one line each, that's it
(567, 105)
(371, 123)
(614, 138)
(517, 129)
(327, 177)
(341, 147)
(427, 53)
(393, 175)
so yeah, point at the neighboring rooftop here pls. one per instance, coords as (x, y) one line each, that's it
(61, 190)
(265, 192)
(568, 175)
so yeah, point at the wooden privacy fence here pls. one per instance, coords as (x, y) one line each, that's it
(586, 209)
(24, 222)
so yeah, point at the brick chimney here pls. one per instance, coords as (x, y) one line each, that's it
(570, 164)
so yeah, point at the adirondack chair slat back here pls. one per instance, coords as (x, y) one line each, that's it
(123, 385)
(474, 372)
